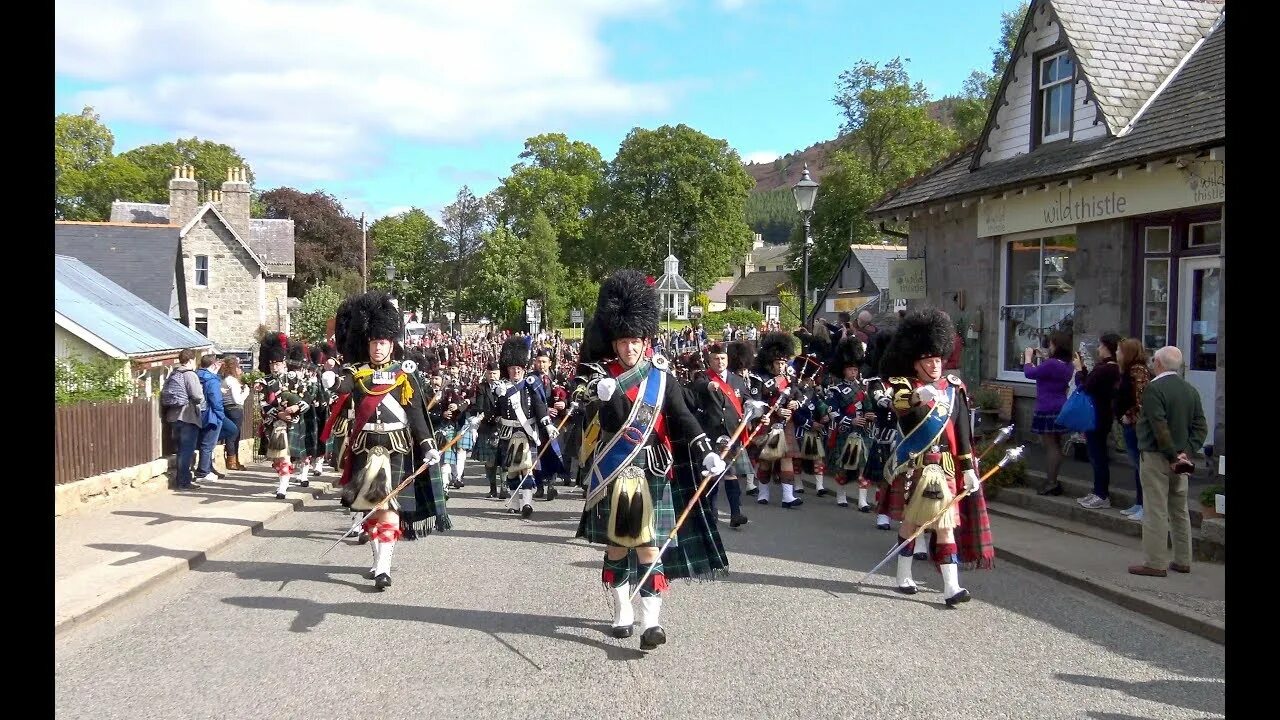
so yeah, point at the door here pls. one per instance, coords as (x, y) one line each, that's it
(1199, 292)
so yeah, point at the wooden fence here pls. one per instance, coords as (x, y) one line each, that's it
(96, 438)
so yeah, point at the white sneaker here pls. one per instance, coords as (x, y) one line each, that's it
(1136, 517)
(1097, 503)
(1086, 500)
(1131, 510)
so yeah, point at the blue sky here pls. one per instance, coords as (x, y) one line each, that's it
(399, 103)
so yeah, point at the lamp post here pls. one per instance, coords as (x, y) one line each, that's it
(391, 279)
(805, 192)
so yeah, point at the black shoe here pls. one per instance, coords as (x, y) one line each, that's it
(843, 504)
(823, 492)
(737, 520)
(193, 485)
(794, 503)
(762, 501)
(907, 589)
(799, 490)
(653, 637)
(368, 574)
(492, 494)
(503, 494)
(364, 538)
(526, 511)
(460, 484)
(382, 582)
(539, 493)
(305, 483)
(566, 482)
(279, 495)
(316, 472)
(622, 632)
(753, 491)
(552, 493)
(1056, 489)
(961, 597)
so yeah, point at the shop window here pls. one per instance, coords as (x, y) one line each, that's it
(1155, 303)
(1057, 74)
(1204, 234)
(1157, 239)
(1038, 296)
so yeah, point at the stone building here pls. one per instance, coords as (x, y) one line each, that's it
(1093, 200)
(233, 270)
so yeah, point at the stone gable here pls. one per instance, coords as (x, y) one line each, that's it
(231, 297)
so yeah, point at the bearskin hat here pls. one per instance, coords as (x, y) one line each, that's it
(849, 353)
(595, 344)
(297, 356)
(320, 353)
(627, 307)
(340, 322)
(514, 354)
(774, 346)
(817, 346)
(741, 355)
(273, 348)
(371, 316)
(428, 360)
(927, 332)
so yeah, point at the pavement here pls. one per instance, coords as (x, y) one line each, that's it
(502, 617)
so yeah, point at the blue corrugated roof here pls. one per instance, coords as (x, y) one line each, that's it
(126, 321)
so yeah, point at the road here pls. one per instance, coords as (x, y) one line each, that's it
(503, 617)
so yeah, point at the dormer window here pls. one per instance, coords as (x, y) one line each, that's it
(1057, 75)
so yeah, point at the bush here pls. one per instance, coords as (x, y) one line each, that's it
(102, 380)
(738, 317)
(986, 399)
(1206, 497)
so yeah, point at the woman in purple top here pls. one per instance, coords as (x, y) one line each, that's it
(1053, 376)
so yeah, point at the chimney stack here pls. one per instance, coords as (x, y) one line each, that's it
(757, 242)
(184, 195)
(235, 200)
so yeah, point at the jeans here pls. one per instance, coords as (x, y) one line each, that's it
(185, 435)
(1131, 445)
(230, 434)
(208, 439)
(1096, 442)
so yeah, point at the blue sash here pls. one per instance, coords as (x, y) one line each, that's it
(626, 444)
(927, 432)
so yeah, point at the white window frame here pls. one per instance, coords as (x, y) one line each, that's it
(1191, 232)
(1017, 375)
(206, 271)
(196, 316)
(1044, 91)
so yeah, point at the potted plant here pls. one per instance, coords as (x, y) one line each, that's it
(1209, 501)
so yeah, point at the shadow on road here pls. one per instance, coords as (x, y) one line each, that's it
(1200, 695)
(309, 614)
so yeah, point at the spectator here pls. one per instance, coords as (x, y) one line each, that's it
(234, 393)
(1053, 376)
(214, 416)
(1134, 377)
(1170, 428)
(1100, 384)
(185, 419)
(863, 328)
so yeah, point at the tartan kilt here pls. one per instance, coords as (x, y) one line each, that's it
(444, 434)
(485, 449)
(893, 502)
(417, 502)
(468, 441)
(595, 519)
(316, 419)
(699, 553)
(299, 443)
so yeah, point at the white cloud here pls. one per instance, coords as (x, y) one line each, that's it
(761, 156)
(312, 89)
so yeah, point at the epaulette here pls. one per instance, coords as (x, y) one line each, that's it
(952, 379)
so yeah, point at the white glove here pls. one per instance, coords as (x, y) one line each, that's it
(755, 409)
(929, 393)
(713, 464)
(329, 378)
(970, 481)
(431, 457)
(605, 388)
(552, 432)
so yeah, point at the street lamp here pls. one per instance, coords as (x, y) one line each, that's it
(391, 271)
(805, 192)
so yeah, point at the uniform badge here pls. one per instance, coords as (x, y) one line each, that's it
(383, 377)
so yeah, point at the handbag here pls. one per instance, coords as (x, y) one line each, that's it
(1078, 413)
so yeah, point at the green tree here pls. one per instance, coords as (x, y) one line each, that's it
(773, 214)
(87, 177)
(210, 159)
(847, 191)
(541, 274)
(309, 321)
(415, 244)
(464, 223)
(495, 288)
(556, 177)
(327, 240)
(671, 182)
(981, 88)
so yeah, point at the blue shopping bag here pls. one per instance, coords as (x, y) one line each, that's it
(1077, 413)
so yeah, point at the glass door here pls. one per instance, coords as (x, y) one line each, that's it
(1200, 291)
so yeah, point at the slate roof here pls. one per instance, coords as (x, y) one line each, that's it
(719, 292)
(760, 283)
(1188, 115)
(673, 283)
(769, 256)
(271, 240)
(131, 212)
(142, 259)
(1126, 48)
(875, 260)
(113, 314)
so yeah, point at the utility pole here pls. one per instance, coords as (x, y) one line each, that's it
(364, 256)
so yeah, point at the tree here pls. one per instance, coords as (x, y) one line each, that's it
(773, 214)
(671, 182)
(87, 176)
(557, 177)
(210, 159)
(848, 190)
(887, 122)
(327, 240)
(495, 288)
(981, 88)
(310, 321)
(541, 274)
(464, 224)
(415, 244)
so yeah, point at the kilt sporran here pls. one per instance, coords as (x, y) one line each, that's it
(775, 444)
(931, 492)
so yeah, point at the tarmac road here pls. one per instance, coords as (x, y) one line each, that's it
(503, 617)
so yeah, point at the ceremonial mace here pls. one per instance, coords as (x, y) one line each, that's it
(1009, 456)
(706, 480)
(1000, 437)
(468, 426)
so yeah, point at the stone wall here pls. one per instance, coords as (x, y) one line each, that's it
(1103, 275)
(231, 298)
(276, 300)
